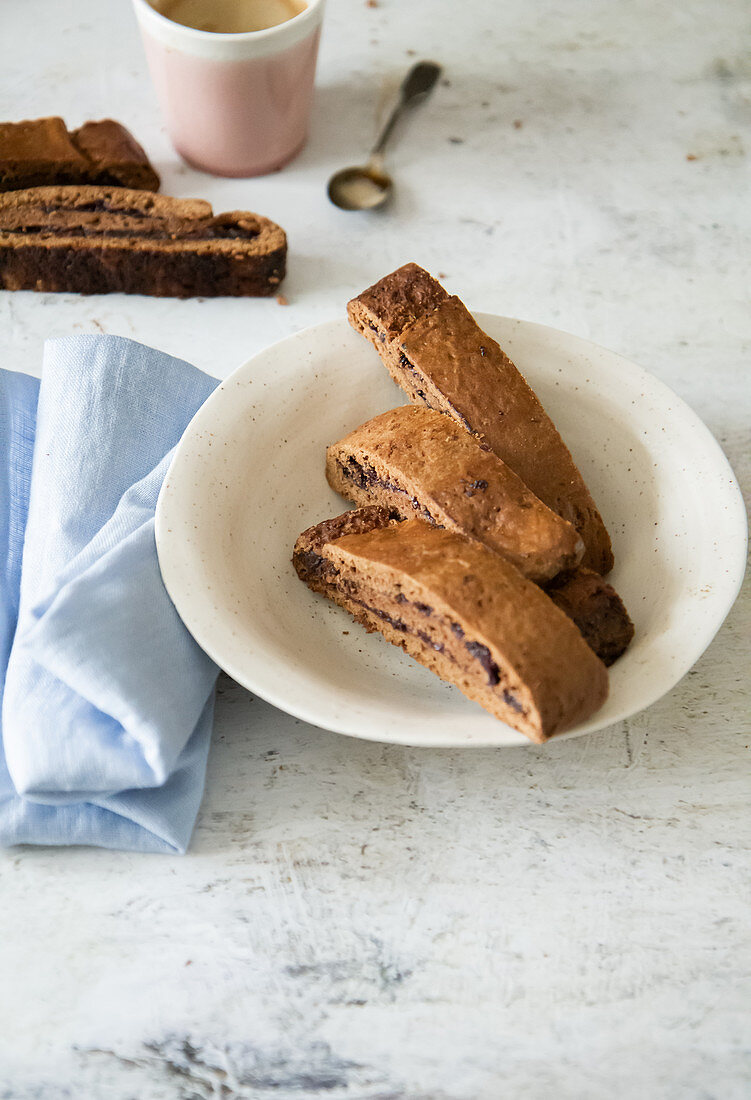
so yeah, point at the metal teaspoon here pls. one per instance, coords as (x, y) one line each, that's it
(367, 186)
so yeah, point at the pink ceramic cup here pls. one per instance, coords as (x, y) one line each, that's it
(235, 104)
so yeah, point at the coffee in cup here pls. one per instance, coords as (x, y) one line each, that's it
(230, 16)
(234, 78)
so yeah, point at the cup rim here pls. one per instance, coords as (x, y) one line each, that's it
(205, 37)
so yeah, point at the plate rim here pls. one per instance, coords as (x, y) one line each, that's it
(580, 346)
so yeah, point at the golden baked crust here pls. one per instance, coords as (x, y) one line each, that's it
(468, 615)
(417, 462)
(444, 360)
(93, 240)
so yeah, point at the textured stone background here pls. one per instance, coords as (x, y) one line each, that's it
(378, 923)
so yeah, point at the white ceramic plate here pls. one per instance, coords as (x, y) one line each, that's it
(248, 477)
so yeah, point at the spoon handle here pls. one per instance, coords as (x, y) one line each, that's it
(416, 86)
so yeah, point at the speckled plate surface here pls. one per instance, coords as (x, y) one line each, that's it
(248, 476)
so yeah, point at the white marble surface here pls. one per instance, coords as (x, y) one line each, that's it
(378, 923)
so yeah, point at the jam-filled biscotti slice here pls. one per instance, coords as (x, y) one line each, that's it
(439, 355)
(462, 611)
(596, 609)
(94, 240)
(415, 462)
(114, 155)
(419, 463)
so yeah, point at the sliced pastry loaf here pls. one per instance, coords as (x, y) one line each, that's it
(93, 240)
(307, 557)
(114, 156)
(417, 462)
(462, 611)
(442, 358)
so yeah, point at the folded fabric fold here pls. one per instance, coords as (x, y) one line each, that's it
(106, 700)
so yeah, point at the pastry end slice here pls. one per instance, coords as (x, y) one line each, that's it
(382, 311)
(309, 562)
(597, 610)
(115, 156)
(463, 612)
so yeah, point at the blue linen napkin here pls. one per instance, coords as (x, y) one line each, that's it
(107, 702)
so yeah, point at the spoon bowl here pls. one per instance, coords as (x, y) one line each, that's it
(362, 187)
(367, 186)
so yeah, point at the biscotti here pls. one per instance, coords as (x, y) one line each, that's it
(597, 610)
(94, 240)
(383, 311)
(114, 156)
(307, 559)
(443, 359)
(417, 462)
(462, 611)
(43, 152)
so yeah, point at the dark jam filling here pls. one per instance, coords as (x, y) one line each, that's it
(97, 206)
(512, 701)
(313, 564)
(397, 624)
(227, 231)
(368, 479)
(151, 227)
(147, 233)
(477, 650)
(423, 608)
(479, 485)
(439, 646)
(481, 653)
(405, 364)
(379, 332)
